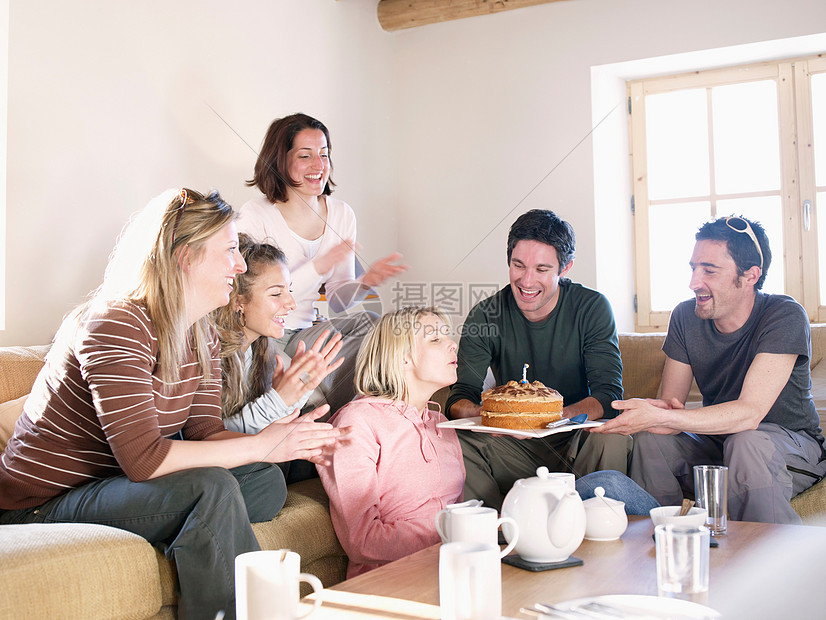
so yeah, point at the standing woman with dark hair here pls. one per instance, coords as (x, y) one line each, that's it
(129, 372)
(318, 235)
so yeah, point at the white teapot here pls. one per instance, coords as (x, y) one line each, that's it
(550, 517)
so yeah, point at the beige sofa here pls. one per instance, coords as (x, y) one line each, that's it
(86, 571)
(89, 571)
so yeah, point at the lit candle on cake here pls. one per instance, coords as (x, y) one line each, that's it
(525, 373)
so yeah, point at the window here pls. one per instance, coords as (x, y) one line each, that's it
(4, 74)
(740, 140)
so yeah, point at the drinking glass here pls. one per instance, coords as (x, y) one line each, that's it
(470, 581)
(682, 562)
(711, 493)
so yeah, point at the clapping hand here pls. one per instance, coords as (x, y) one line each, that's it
(295, 437)
(334, 256)
(375, 275)
(308, 368)
(383, 269)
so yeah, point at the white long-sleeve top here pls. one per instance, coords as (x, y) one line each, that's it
(262, 220)
(267, 408)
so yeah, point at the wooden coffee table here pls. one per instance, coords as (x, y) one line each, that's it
(625, 566)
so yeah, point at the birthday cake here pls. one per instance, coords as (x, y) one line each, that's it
(522, 405)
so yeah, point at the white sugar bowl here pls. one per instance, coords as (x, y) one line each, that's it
(605, 518)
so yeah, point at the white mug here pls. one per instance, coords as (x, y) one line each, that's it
(474, 524)
(470, 581)
(443, 517)
(266, 585)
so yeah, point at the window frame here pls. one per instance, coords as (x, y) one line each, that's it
(797, 182)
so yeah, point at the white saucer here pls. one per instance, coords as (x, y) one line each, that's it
(641, 605)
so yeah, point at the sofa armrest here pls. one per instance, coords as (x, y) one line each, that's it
(19, 366)
(76, 570)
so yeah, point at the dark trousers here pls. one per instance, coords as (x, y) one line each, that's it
(200, 518)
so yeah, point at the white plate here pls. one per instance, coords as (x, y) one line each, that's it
(475, 425)
(648, 606)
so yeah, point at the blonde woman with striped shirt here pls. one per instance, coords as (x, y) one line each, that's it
(123, 426)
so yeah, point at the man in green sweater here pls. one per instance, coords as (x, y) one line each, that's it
(567, 335)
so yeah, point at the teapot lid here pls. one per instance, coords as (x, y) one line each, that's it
(599, 500)
(543, 478)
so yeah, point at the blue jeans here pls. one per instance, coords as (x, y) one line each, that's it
(617, 486)
(200, 518)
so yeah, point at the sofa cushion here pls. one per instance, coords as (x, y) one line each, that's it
(818, 343)
(642, 363)
(76, 570)
(811, 504)
(9, 412)
(304, 526)
(819, 391)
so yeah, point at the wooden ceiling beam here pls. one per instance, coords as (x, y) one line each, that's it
(400, 14)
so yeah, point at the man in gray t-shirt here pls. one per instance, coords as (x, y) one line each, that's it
(749, 353)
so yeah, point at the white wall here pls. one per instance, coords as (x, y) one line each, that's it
(111, 102)
(489, 105)
(439, 132)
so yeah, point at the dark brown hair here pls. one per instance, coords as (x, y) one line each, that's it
(548, 228)
(271, 173)
(740, 246)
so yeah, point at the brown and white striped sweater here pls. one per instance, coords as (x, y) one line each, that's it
(97, 409)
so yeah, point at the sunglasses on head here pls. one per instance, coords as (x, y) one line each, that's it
(187, 197)
(738, 224)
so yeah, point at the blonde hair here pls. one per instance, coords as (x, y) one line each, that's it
(145, 268)
(380, 360)
(238, 390)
